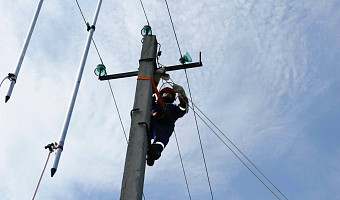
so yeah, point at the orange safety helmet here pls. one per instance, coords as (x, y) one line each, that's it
(168, 99)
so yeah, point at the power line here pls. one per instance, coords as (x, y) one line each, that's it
(94, 43)
(173, 27)
(198, 132)
(120, 119)
(81, 12)
(216, 126)
(180, 156)
(199, 137)
(147, 20)
(242, 154)
(101, 60)
(237, 155)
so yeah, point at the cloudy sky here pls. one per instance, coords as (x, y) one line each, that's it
(269, 82)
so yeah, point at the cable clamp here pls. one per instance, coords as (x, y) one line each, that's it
(11, 77)
(90, 27)
(51, 147)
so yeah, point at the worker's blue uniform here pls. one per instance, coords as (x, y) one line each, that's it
(163, 122)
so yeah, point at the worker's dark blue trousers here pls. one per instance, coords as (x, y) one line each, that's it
(161, 132)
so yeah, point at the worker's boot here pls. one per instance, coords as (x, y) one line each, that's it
(153, 153)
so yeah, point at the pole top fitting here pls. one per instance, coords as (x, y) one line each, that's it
(90, 27)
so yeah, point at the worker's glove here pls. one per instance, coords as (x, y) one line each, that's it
(160, 73)
(183, 99)
(179, 89)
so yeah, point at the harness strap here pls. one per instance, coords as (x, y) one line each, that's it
(155, 88)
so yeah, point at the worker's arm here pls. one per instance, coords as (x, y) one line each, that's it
(183, 99)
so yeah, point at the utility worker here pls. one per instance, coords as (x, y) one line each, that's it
(163, 120)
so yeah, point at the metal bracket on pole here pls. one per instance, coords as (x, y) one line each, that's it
(147, 131)
(170, 68)
(133, 111)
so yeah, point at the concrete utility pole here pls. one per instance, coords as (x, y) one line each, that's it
(134, 170)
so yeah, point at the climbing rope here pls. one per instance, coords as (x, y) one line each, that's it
(51, 147)
(3, 80)
(193, 105)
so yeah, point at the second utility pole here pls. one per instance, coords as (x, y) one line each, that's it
(134, 170)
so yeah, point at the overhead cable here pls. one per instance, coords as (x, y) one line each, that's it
(94, 43)
(147, 20)
(81, 12)
(242, 154)
(238, 155)
(120, 119)
(173, 27)
(180, 157)
(199, 136)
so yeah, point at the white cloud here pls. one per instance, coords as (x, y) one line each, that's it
(263, 72)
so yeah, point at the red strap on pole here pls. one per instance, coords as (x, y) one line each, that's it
(155, 88)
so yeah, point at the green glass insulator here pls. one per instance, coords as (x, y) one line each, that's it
(146, 30)
(100, 70)
(185, 58)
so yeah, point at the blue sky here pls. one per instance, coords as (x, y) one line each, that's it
(269, 81)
